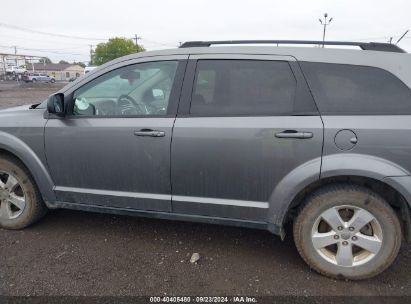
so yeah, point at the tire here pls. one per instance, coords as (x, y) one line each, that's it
(17, 184)
(34, 80)
(52, 80)
(335, 250)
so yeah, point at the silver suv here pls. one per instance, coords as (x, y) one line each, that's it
(38, 77)
(253, 136)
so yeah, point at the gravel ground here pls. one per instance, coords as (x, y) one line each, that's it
(13, 94)
(79, 253)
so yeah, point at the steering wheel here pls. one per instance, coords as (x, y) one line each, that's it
(128, 105)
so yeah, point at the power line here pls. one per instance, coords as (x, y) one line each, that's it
(47, 33)
(159, 43)
(136, 38)
(75, 45)
(41, 50)
(51, 51)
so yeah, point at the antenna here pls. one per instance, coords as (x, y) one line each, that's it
(402, 37)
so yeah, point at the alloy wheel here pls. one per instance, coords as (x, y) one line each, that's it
(12, 197)
(347, 236)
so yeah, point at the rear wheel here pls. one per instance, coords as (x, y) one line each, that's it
(20, 200)
(347, 231)
(52, 80)
(34, 80)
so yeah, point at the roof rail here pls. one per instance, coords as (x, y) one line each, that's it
(367, 46)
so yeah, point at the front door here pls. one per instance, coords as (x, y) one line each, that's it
(113, 147)
(245, 124)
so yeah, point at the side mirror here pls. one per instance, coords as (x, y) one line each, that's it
(55, 104)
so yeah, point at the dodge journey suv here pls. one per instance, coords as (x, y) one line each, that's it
(226, 133)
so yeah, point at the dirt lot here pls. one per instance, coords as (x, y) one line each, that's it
(79, 253)
(14, 94)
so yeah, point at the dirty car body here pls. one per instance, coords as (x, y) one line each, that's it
(150, 134)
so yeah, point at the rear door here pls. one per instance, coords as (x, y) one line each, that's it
(244, 123)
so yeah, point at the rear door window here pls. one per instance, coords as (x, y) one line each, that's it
(243, 87)
(341, 89)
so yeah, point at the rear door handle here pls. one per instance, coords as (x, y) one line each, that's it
(294, 134)
(150, 133)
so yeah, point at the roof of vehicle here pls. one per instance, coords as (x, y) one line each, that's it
(315, 54)
(395, 62)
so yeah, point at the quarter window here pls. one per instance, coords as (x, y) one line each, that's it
(243, 87)
(135, 90)
(359, 90)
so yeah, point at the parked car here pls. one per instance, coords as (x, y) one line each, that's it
(15, 70)
(38, 77)
(252, 136)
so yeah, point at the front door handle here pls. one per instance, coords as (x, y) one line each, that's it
(150, 133)
(294, 134)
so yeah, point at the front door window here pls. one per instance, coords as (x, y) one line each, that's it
(136, 90)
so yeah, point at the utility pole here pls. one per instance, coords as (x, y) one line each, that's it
(136, 39)
(15, 60)
(4, 67)
(91, 55)
(15, 54)
(325, 23)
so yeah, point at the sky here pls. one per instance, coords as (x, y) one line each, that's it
(164, 23)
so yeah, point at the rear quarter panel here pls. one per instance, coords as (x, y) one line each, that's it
(383, 139)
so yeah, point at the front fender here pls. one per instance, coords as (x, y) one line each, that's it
(37, 169)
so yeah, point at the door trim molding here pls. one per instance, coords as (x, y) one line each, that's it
(220, 201)
(168, 197)
(114, 193)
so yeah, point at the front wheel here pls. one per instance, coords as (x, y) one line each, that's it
(52, 80)
(20, 201)
(347, 231)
